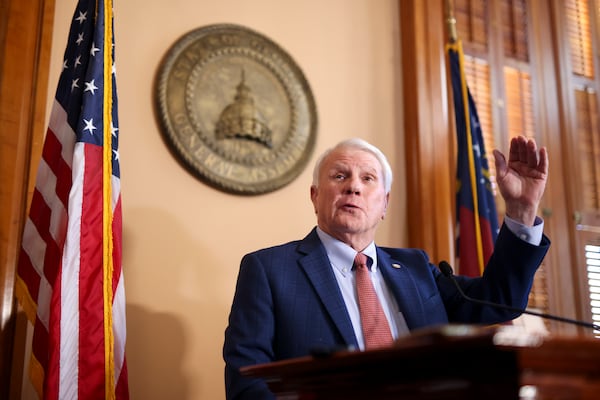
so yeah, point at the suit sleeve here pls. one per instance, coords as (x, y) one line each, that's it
(507, 279)
(249, 335)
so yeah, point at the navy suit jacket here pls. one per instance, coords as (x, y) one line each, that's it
(287, 301)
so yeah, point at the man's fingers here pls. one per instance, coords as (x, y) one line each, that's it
(500, 162)
(543, 164)
(532, 154)
(525, 154)
(514, 152)
(525, 150)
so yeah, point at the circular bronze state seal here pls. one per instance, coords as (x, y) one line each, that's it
(236, 109)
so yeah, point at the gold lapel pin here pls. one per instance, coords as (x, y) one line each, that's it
(397, 266)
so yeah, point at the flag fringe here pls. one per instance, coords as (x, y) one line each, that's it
(25, 300)
(107, 208)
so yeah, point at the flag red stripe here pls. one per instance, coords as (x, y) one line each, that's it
(40, 343)
(40, 217)
(91, 306)
(52, 378)
(52, 155)
(29, 275)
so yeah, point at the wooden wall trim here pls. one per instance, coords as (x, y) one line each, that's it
(25, 55)
(428, 138)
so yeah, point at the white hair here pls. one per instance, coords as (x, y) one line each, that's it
(360, 144)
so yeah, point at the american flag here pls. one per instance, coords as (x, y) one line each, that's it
(477, 221)
(69, 277)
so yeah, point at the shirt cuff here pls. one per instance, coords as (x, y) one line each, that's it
(530, 234)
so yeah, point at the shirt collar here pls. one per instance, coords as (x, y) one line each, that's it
(341, 255)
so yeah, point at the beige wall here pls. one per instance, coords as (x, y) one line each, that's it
(182, 239)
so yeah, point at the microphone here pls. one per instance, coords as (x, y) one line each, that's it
(449, 273)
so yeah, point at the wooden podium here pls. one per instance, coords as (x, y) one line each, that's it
(448, 363)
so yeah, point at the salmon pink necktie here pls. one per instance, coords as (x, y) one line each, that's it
(375, 327)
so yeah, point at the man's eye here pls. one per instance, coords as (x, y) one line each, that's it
(369, 178)
(339, 176)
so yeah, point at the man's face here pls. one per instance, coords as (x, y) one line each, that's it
(350, 200)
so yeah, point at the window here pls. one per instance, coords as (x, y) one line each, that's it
(499, 78)
(585, 87)
(592, 255)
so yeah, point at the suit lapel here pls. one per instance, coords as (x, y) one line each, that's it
(401, 283)
(317, 267)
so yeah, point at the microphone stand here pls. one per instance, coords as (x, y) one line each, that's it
(448, 272)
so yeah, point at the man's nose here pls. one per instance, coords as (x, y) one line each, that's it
(353, 186)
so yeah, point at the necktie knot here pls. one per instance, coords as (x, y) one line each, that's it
(362, 259)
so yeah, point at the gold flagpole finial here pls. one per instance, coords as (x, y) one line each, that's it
(451, 21)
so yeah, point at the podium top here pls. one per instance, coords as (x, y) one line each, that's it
(442, 363)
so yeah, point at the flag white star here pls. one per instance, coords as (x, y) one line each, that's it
(94, 50)
(89, 125)
(74, 84)
(113, 129)
(77, 61)
(65, 66)
(79, 38)
(477, 150)
(90, 86)
(82, 17)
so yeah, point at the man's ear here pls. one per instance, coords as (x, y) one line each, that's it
(313, 196)
(385, 206)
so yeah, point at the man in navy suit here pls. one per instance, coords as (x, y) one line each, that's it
(300, 297)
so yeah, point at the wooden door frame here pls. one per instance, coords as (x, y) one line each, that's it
(25, 44)
(428, 135)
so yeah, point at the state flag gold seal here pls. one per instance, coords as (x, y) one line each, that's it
(235, 109)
